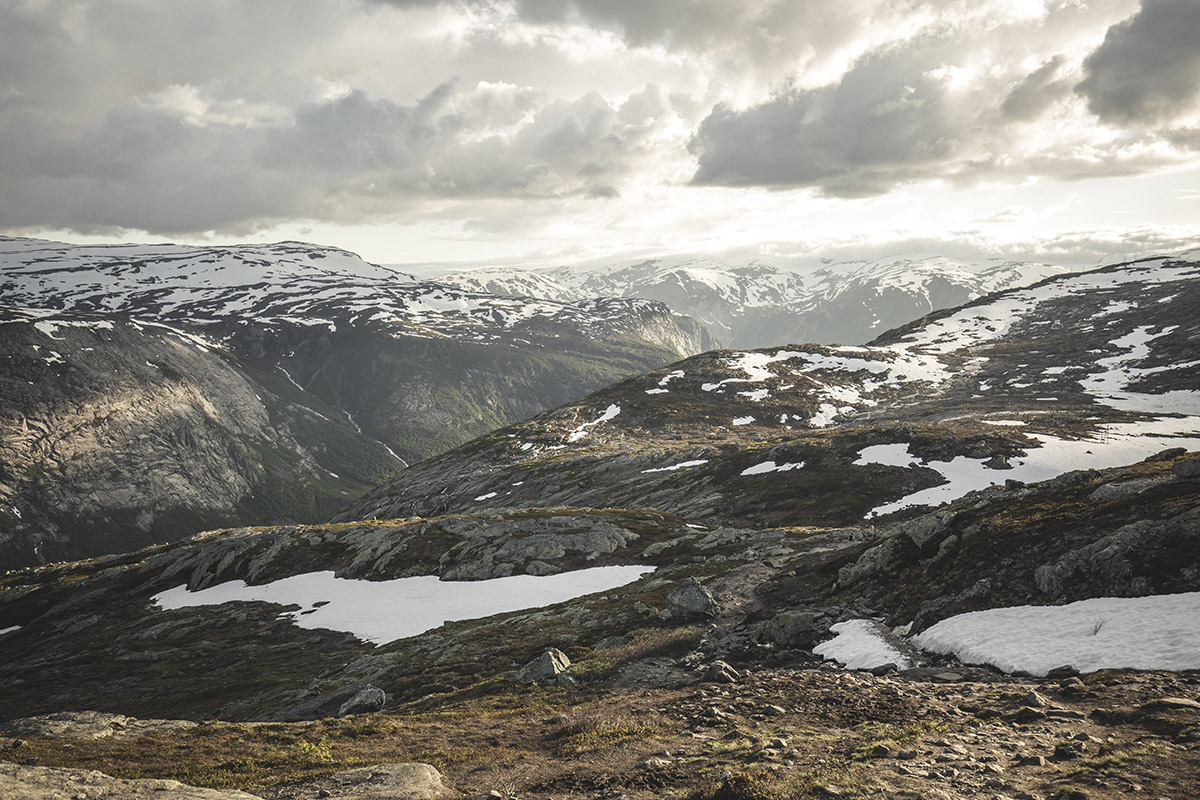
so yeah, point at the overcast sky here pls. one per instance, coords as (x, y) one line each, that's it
(552, 131)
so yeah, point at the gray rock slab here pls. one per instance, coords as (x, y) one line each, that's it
(22, 782)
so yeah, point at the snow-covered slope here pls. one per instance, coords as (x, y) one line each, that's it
(287, 282)
(756, 304)
(1081, 371)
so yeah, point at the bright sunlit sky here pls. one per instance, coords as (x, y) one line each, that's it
(544, 132)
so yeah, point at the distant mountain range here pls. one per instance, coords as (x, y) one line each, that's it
(288, 378)
(758, 305)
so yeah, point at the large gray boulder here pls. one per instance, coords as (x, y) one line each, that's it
(690, 600)
(546, 667)
(367, 700)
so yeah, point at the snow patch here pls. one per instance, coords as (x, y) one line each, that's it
(771, 466)
(383, 611)
(581, 431)
(1156, 632)
(680, 465)
(860, 644)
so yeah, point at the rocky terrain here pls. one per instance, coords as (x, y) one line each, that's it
(757, 305)
(698, 677)
(960, 562)
(296, 377)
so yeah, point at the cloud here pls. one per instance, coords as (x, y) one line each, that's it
(945, 105)
(170, 168)
(887, 121)
(1038, 92)
(1148, 68)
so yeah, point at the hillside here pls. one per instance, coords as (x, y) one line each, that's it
(115, 438)
(115, 434)
(1081, 371)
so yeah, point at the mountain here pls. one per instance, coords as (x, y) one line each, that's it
(756, 305)
(1079, 371)
(989, 517)
(118, 433)
(418, 365)
(364, 354)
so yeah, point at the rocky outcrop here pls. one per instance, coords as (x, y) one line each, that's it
(115, 434)
(21, 782)
(367, 700)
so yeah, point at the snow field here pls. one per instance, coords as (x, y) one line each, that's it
(1116, 445)
(1159, 632)
(383, 611)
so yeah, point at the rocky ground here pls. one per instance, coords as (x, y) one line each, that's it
(766, 733)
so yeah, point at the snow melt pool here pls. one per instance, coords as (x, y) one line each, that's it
(383, 611)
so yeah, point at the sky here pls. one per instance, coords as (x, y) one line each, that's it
(545, 132)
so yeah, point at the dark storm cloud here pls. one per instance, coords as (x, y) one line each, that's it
(887, 121)
(1148, 68)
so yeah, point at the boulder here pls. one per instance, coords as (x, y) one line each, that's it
(690, 600)
(1187, 467)
(720, 672)
(790, 629)
(367, 700)
(546, 667)
(25, 782)
(409, 781)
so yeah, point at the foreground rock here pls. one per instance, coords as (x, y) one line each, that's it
(18, 782)
(410, 781)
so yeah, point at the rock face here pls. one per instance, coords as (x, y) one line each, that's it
(546, 667)
(115, 434)
(290, 379)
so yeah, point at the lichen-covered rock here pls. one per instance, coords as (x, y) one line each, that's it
(546, 667)
(871, 562)
(1187, 467)
(367, 700)
(690, 600)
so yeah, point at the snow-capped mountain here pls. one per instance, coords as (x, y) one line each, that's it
(276, 284)
(1080, 371)
(757, 305)
(373, 362)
